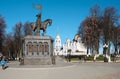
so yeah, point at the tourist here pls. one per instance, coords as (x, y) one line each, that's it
(3, 62)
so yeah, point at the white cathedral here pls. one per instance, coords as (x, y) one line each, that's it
(74, 47)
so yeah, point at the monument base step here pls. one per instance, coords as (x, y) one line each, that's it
(37, 61)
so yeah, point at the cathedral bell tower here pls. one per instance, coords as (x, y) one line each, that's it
(57, 45)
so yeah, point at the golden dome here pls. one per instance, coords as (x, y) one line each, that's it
(77, 36)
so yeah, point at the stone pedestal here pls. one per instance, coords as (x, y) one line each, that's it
(38, 50)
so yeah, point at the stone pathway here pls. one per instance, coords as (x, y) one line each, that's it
(62, 70)
(110, 76)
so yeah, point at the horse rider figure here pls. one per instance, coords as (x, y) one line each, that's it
(38, 25)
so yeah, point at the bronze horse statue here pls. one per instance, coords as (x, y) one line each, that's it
(37, 26)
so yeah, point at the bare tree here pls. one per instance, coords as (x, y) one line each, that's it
(8, 48)
(116, 37)
(90, 29)
(2, 31)
(27, 29)
(18, 34)
(110, 19)
(85, 33)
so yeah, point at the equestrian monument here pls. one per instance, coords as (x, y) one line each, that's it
(38, 47)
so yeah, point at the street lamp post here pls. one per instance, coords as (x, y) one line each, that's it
(69, 55)
(105, 46)
(107, 56)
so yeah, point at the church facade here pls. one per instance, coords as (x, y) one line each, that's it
(72, 47)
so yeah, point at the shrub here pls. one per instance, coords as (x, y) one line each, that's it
(90, 58)
(101, 57)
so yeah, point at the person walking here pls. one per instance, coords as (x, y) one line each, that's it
(3, 63)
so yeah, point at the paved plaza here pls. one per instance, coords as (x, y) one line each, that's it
(66, 70)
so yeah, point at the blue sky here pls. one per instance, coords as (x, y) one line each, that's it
(66, 14)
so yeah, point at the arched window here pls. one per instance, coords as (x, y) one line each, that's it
(35, 47)
(46, 46)
(40, 47)
(29, 47)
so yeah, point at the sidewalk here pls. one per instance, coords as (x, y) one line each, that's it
(70, 70)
